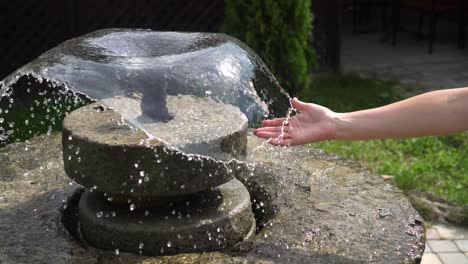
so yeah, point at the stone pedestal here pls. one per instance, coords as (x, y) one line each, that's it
(147, 196)
(212, 220)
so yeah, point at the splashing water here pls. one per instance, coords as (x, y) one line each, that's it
(285, 123)
(146, 76)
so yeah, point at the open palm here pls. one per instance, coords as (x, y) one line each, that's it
(313, 123)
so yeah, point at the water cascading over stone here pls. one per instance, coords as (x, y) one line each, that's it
(159, 150)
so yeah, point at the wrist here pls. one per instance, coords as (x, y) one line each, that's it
(340, 123)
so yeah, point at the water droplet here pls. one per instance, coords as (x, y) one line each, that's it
(146, 178)
(132, 207)
(141, 246)
(99, 214)
(140, 181)
(169, 244)
(117, 251)
(110, 199)
(136, 165)
(70, 137)
(142, 174)
(113, 214)
(147, 213)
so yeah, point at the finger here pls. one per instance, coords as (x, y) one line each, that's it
(272, 129)
(273, 122)
(299, 105)
(268, 135)
(281, 142)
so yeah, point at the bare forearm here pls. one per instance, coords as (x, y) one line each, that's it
(435, 113)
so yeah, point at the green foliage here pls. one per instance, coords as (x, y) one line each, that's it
(344, 93)
(280, 32)
(37, 114)
(427, 164)
(438, 164)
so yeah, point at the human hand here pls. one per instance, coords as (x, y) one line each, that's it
(313, 123)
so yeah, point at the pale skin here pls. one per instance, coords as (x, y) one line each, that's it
(434, 113)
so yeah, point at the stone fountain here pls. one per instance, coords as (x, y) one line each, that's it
(165, 169)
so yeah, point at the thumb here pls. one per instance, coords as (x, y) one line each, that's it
(299, 105)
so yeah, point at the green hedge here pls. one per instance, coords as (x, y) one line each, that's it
(280, 32)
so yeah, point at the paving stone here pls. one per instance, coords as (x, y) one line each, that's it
(427, 249)
(430, 258)
(432, 233)
(451, 232)
(438, 246)
(453, 258)
(462, 245)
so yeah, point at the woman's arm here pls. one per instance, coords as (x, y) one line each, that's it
(434, 113)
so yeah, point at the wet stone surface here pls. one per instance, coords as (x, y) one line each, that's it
(314, 209)
(214, 219)
(104, 153)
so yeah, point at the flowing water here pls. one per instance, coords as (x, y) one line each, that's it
(181, 88)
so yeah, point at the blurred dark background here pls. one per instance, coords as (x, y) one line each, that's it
(29, 27)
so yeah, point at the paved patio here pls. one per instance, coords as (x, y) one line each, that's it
(446, 244)
(408, 61)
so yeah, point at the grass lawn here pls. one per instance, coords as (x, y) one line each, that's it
(437, 164)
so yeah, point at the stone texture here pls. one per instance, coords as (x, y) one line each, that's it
(200, 126)
(102, 152)
(213, 220)
(313, 208)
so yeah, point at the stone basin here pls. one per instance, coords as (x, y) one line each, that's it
(310, 208)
